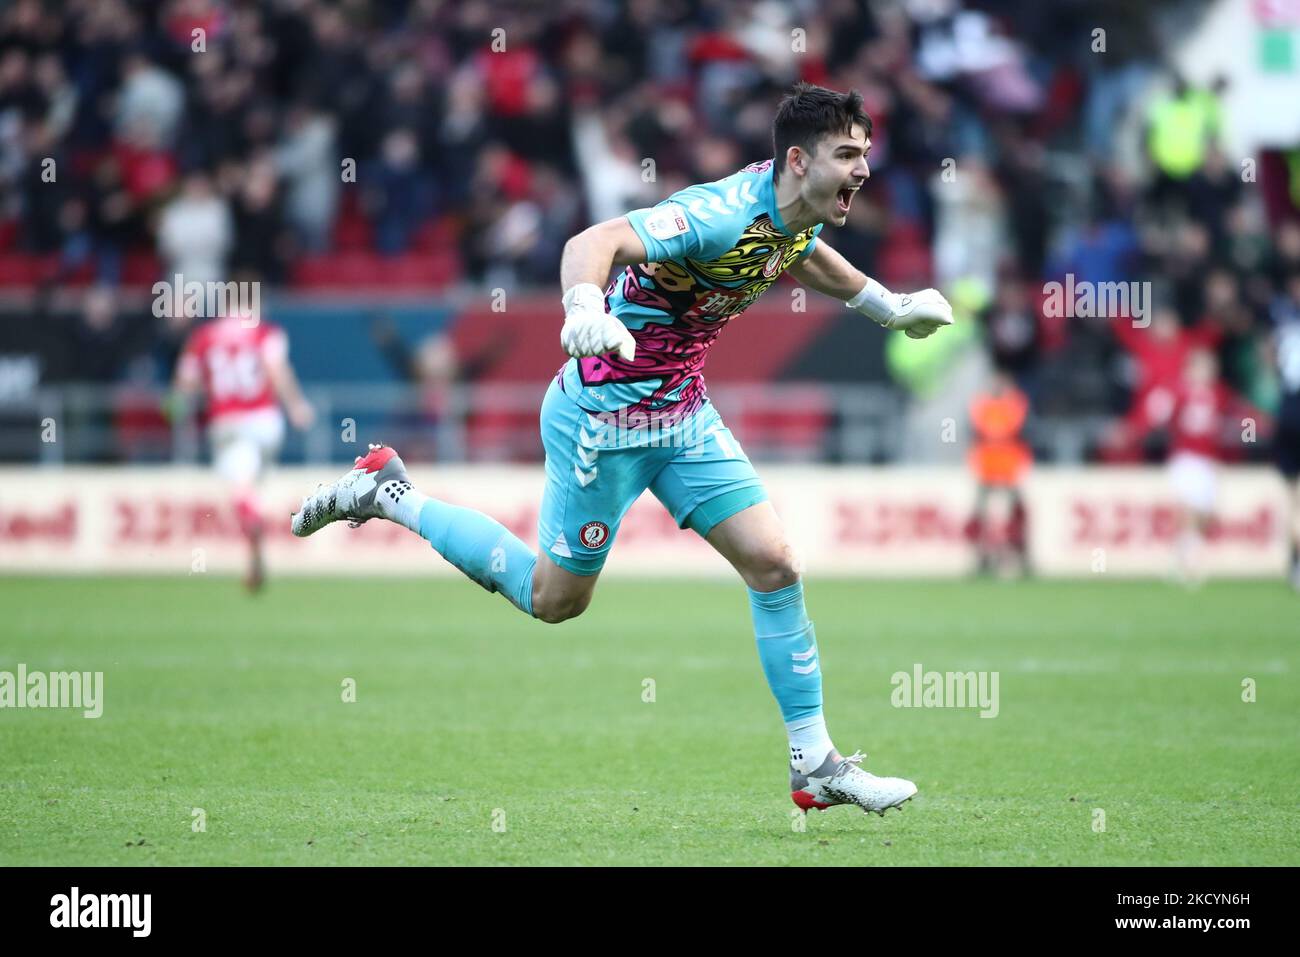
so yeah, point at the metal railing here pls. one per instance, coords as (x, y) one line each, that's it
(787, 422)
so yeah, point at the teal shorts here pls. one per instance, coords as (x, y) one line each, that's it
(597, 467)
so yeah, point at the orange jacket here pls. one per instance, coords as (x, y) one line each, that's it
(997, 456)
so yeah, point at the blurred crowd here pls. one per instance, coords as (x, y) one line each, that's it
(230, 139)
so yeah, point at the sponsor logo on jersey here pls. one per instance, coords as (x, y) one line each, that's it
(720, 302)
(594, 534)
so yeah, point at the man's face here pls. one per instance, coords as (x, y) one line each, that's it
(834, 172)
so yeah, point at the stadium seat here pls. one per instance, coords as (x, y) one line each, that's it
(352, 229)
(792, 425)
(141, 268)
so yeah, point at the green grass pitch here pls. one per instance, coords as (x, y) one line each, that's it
(480, 737)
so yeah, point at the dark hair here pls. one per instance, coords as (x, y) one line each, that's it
(809, 112)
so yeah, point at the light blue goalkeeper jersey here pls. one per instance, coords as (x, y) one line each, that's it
(713, 249)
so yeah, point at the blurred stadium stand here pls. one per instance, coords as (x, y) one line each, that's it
(474, 164)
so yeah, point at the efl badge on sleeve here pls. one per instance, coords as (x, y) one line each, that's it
(667, 221)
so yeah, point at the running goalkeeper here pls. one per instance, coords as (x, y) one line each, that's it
(628, 411)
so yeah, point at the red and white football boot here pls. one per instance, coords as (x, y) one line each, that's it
(353, 497)
(841, 781)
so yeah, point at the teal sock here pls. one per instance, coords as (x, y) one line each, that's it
(482, 548)
(787, 647)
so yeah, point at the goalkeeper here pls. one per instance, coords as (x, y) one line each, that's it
(628, 411)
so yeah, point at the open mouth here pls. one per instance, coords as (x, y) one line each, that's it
(844, 198)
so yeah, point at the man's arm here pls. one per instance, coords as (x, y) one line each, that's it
(593, 253)
(584, 269)
(187, 385)
(287, 388)
(829, 273)
(186, 380)
(917, 313)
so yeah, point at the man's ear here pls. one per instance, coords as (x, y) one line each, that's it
(796, 160)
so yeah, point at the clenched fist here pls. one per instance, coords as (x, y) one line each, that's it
(588, 329)
(918, 314)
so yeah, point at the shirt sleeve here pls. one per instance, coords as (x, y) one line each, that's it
(812, 245)
(693, 223)
(275, 346)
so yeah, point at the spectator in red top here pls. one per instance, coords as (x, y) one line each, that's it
(1160, 352)
(508, 71)
(147, 169)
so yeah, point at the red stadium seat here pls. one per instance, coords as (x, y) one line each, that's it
(502, 435)
(81, 276)
(361, 269)
(352, 229)
(17, 269)
(407, 271)
(428, 237)
(26, 269)
(141, 268)
(905, 256)
(796, 422)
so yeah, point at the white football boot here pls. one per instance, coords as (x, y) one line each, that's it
(354, 497)
(841, 781)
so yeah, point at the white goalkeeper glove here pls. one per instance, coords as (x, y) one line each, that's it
(588, 329)
(917, 313)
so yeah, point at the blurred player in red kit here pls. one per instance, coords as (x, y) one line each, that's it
(1197, 426)
(240, 363)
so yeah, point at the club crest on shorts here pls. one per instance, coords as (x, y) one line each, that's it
(594, 534)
